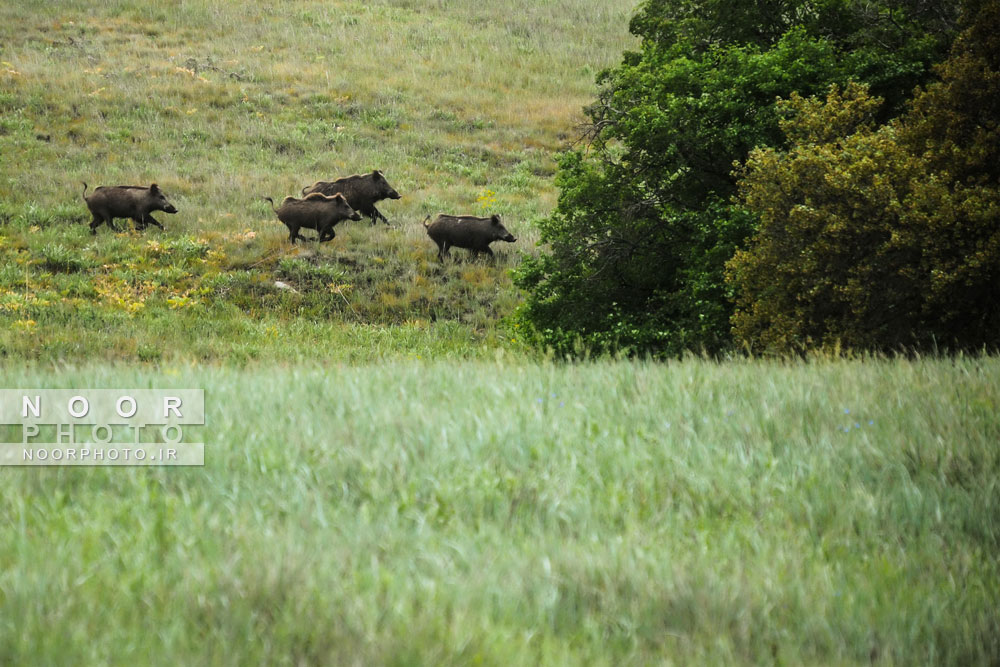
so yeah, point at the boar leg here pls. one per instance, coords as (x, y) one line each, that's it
(377, 215)
(150, 220)
(99, 220)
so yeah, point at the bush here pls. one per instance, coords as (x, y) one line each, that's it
(881, 237)
(645, 222)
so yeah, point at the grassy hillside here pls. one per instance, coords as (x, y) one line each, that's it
(461, 104)
(507, 513)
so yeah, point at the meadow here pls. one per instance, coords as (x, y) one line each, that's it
(461, 106)
(392, 476)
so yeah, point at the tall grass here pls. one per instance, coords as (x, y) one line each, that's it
(509, 513)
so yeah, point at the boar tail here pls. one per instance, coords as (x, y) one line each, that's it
(272, 203)
(425, 221)
(85, 186)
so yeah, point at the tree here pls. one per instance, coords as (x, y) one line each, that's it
(645, 223)
(881, 237)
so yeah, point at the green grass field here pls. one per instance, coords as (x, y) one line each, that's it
(392, 476)
(521, 513)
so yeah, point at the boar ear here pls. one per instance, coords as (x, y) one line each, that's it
(376, 174)
(154, 188)
(495, 219)
(339, 196)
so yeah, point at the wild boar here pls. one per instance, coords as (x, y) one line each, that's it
(362, 192)
(126, 201)
(317, 211)
(466, 231)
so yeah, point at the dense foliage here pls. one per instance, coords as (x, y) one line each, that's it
(881, 236)
(645, 222)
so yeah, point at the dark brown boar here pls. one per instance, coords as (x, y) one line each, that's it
(362, 192)
(466, 231)
(126, 201)
(317, 211)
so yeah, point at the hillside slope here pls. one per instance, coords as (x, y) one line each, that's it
(461, 105)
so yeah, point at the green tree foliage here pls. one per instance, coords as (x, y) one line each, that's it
(644, 225)
(887, 236)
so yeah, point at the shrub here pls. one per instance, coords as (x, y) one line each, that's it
(881, 236)
(645, 222)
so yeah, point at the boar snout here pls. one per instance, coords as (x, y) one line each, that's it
(356, 216)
